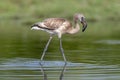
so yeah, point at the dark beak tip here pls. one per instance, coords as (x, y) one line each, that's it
(84, 23)
(84, 28)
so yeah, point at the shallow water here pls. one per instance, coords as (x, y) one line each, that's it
(29, 69)
(88, 57)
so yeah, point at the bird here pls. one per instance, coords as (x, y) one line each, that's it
(60, 26)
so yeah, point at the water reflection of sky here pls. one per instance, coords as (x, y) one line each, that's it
(29, 63)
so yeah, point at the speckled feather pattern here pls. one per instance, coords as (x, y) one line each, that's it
(55, 23)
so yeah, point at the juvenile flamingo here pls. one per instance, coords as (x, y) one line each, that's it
(59, 26)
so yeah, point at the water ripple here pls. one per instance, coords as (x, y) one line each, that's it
(114, 42)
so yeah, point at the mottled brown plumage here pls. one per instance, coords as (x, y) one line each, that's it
(58, 23)
(54, 23)
(60, 26)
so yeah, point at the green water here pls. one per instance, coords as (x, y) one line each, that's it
(92, 55)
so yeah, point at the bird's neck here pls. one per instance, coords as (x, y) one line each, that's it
(74, 29)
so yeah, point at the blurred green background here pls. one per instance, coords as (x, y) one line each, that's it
(24, 13)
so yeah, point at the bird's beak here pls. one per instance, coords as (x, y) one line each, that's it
(84, 23)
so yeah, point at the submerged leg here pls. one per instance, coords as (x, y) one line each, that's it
(46, 47)
(62, 72)
(62, 51)
(43, 72)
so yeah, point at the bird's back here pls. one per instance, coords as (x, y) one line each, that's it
(54, 23)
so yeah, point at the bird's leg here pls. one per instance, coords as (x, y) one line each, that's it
(44, 51)
(62, 51)
(62, 72)
(46, 47)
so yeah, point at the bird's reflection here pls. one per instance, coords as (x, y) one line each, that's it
(43, 72)
(62, 72)
(45, 75)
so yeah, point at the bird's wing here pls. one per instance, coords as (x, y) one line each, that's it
(53, 23)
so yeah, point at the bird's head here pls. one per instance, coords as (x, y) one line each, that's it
(81, 18)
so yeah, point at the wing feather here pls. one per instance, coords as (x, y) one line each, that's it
(53, 23)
